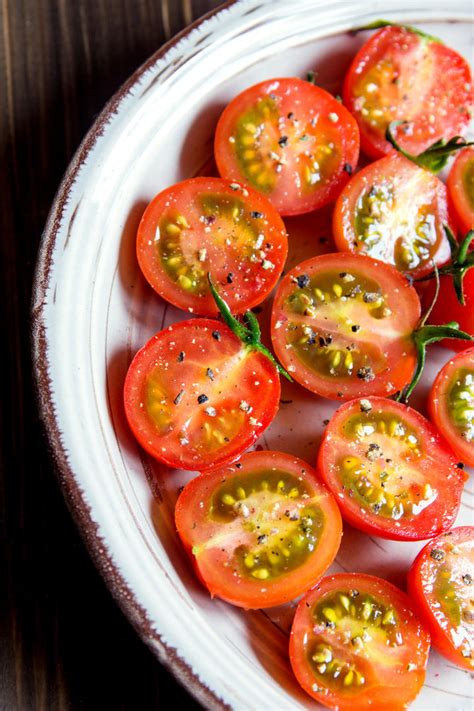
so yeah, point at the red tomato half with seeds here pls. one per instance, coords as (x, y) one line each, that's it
(342, 326)
(441, 584)
(447, 308)
(451, 404)
(208, 225)
(390, 471)
(261, 531)
(356, 644)
(461, 189)
(290, 140)
(196, 396)
(399, 75)
(394, 211)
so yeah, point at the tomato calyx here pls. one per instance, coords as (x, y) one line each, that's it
(379, 24)
(249, 334)
(461, 261)
(424, 335)
(436, 156)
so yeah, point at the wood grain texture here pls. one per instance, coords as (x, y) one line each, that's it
(64, 644)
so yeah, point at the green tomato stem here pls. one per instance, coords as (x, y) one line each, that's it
(249, 336)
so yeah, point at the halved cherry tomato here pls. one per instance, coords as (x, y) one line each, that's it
(260, 531)
(196, 396)
(342, 326)
(447, 308)
(208, 225)
(356, 644)
(451, 404)
(461, 189)
(390, 471)
(441, 585)
(289, 139)
(399, 75)
(394, 211)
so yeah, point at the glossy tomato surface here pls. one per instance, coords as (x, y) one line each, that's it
(391, 473)
(356, 644)
(342, 326)
(461, 189)
(451, 404)
(394, 211)
(195, 396)
(398, 75)
(447, 308)
(441, 584)
(208, 225)
(290, 140)
(260, 531)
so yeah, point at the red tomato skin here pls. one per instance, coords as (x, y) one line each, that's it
(386, 383)
(447, 308)
(449, 83)
(431, 521)
(393, 164)
(437, 406)
(402, 690)
(439, 638)
(177, 456)
(238, 294)
(348, 135)
(240, 592)
(462, 207)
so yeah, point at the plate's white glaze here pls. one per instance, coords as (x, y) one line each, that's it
(92, 311)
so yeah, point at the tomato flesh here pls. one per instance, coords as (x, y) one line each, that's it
(391, 472)
(356, 644)
(398, 75)
(451, 404)
(259, 531)
(291, 141)
(195, 396)
(208, 225)
(342, 326)
(441, 584)
(461, 189)
(394, 211)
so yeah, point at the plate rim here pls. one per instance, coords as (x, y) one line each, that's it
(74, 496)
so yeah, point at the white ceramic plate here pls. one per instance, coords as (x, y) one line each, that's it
(92, 311)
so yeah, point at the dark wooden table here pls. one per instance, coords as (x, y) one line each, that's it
(63, 642)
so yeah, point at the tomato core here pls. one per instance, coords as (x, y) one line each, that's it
(360, 618)
(336, 351)
(252, 499)
(376, 482)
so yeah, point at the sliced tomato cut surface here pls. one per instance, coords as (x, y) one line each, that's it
(290, 140)
(260, 531)
(461, 189)
(342, 326)
(196, 396)
(451, 404)
(394, 211)
(441, 586)
(391, 472)
(398, 75)
(208, 225)
(356, 643)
